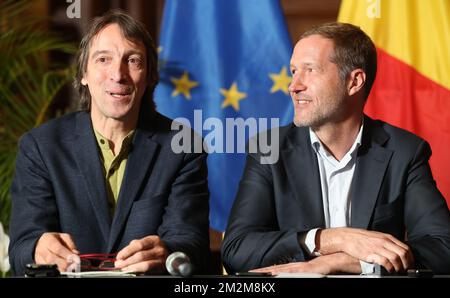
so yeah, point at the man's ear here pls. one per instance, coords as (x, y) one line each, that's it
(356, 81)
(83, 82)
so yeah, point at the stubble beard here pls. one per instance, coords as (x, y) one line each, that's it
(327, 112)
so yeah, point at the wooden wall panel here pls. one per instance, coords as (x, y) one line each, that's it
(303, 14)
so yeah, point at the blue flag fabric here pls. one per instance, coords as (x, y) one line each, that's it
(224, 59)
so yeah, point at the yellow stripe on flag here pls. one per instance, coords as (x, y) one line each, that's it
(415, 31)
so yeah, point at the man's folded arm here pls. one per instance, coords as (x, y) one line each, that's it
(427, 217)
(33, 208)
(253, 239)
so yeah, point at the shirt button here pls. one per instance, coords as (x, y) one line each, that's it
(102, 141)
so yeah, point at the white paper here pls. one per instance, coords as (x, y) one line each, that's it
(99, 274)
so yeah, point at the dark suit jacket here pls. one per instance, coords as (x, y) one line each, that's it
(393, 192)
(59, 186)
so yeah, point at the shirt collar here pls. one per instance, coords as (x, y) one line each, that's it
(317, 144)
(104, 144)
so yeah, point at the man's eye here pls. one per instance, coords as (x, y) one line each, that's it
(102, 59)
(134, 61)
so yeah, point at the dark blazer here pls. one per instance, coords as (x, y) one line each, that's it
(393, 192)
(59, 186)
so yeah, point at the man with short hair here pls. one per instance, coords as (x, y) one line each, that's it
(105, 179)
(347, 191)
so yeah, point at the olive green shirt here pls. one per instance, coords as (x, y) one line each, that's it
(113, 166)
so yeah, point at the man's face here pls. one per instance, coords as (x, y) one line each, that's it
(317, 92)
(116, 75)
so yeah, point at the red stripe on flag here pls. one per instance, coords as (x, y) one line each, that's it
(403, 97)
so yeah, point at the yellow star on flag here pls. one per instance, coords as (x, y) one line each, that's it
(183, 85)
(281, 81)
(232, 97)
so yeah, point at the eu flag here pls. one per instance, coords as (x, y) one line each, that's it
(224, 59)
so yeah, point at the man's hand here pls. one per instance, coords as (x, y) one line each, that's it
(146, 255)
(54, 248)
(368, 246)
(328, 264)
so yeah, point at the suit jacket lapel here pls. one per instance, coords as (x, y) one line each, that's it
(303, 174)
(90, 166)
(371, 164)
(138, 167)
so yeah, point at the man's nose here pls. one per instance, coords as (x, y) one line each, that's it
(296, 84)
(119, 71)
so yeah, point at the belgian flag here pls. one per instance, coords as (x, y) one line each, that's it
(412, 88)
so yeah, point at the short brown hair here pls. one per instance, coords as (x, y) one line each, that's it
(352, 49)
(133, 31)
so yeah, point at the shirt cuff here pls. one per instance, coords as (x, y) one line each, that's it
(367, 268)
(308, 242)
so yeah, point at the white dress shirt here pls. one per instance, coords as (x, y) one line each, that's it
(336, 181)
